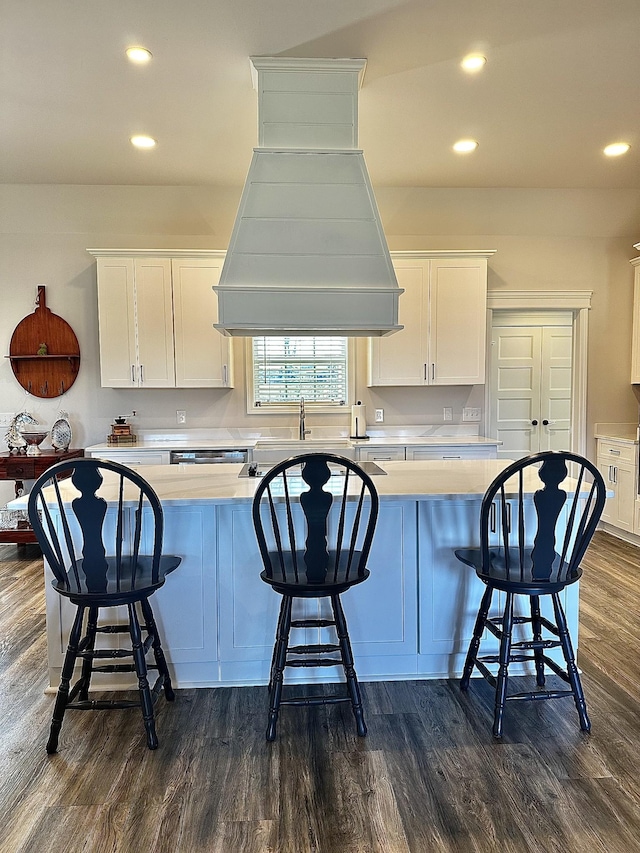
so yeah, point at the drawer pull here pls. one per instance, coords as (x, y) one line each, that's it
(615, 452)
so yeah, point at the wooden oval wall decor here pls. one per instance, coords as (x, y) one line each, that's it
(44, 352)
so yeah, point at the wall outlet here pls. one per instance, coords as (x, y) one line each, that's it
(6, 418)
(471, 414)
(379, 416)
(447, 413)
(181, 416)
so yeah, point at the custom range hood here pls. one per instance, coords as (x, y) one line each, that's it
(307, 255)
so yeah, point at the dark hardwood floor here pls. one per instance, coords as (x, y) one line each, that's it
(429, 776)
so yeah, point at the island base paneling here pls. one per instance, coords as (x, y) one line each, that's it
(411, 619)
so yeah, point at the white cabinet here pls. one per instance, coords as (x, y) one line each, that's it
(393, 453)
(443, 311)
(156, 317)
(617, 462)
(382, 612)
(203, 355)
(135, 318)
(635, 341)
(131, 457)
(453, 451)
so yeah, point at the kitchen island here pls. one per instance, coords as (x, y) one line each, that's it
(411, 619)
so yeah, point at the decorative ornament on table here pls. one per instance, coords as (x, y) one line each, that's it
(61, 432)
(15, 442)
(42, 349)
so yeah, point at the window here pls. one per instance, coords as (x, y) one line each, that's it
(287, 368)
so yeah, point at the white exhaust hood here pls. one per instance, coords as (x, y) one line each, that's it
(308, 255)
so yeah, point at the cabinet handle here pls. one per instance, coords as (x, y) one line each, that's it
(492, 517)
(535, 423)
(381, 458)
(615, 452)
(133, 374)
(452, 457)
(425, 373)
(141, 374)
(433, 372)
(615, 474)
(224, 374)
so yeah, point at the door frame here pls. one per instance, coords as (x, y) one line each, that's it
(578, 302)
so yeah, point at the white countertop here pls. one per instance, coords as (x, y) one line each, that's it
(179, 442)
(459, 480)
(617, 432)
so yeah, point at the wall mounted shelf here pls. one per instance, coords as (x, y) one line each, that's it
(50, 374)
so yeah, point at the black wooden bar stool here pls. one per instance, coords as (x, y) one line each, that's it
(319, 552)
(96, 559)
(525, 550)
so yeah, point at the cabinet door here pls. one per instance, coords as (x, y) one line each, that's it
(203, 355)
(154, 323)
(626, 493)
(116, 319)
(400, 359)
(457, 329)
(610, 512)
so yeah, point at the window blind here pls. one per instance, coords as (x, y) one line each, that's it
(287, 368)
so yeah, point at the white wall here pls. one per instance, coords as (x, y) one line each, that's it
(546, 239)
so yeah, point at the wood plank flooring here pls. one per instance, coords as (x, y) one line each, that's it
(428, 777)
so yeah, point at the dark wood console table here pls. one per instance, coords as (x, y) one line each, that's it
(19, 467)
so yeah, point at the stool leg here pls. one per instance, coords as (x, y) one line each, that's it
(347, 663)
(538, 654)
(87, 662)
(474, 645)
(62, 697)
(158, 653)
(280, 629)
(280, 659)
(503, 667)
(143, 683)
(572, 669)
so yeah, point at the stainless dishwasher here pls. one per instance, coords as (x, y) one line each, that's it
(207, 457)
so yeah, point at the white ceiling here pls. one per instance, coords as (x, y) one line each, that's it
(562, 80)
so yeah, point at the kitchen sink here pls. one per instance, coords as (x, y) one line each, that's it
(299, 444)
(253, 469)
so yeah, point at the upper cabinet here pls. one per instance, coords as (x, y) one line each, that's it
(156, 312)
(635, 341)
(443, 311)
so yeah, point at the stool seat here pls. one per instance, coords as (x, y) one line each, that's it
(517, 572)
(331, 577)
(532, 546)
(123, 582)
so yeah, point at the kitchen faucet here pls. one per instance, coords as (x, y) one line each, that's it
(302, 432)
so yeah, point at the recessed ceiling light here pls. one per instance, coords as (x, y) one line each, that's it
(142, 141)
(473, 62)
(616, 149)
(465, 146)
(139, 55)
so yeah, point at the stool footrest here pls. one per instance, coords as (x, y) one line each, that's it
(315, 700)
(541, 694)
(315, 662)
(315, 648)
(312, 623)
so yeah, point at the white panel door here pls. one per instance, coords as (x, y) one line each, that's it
(117, 323)
(530, 398)
(203, 355)
(555, 388)
(154, 315)
(401, 359)
(457, 331)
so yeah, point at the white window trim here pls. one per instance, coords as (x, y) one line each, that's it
(288, 408)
